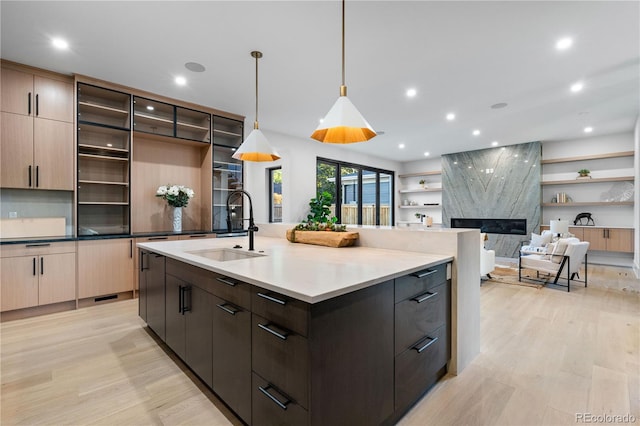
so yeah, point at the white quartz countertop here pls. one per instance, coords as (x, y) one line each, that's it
(305, 272)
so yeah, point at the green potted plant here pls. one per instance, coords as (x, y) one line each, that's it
(583, 172)
(422, 183)
(321, 219)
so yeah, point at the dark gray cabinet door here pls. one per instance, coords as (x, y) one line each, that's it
(142, 285)
(232, 356)
(198, 336)
(175, 321)
(153, 283)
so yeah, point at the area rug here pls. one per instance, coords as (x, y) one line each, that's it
(510, 276)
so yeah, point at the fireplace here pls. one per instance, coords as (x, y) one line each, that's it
(493, 226)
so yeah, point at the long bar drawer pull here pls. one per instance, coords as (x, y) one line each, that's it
(425, 273)
(232, 310)
(273, 299)
(265, 391)
(422, 348)
(38, 245)
(157, 238)
(281, 335)
(424, 297)
(227, 281)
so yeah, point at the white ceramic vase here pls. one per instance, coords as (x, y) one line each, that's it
(177, 219)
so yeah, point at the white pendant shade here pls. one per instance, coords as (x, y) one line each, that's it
(256, 148)
(343, 124)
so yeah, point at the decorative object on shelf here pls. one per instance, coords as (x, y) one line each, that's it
(177, 219)
(583, 174)
(177, 196)
(422, 183)
(561, 198)
(321, 228)
(419, 216)
(427, 221)
(619, 192)
(343, 123)
(584, 219)
(405, 202)
(256, 147)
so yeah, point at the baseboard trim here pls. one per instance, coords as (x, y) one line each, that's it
(37, 311)
(106, 298)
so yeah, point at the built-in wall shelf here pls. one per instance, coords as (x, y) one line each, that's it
(103, 203)
(102, 157)
(593, 180)
(419, 190)
(420, 206)
(588, 157)
(431, 173)
(104, 109)
(99, 182)
(589, 203)
(225, 133)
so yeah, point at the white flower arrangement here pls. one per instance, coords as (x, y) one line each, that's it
(176, 195)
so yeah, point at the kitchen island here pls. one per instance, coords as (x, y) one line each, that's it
(298, 334)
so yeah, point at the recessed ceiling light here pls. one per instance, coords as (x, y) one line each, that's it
(194, 66)
(564, 43)
(588, 129)
(180, 81)
(503, 148)
(411, 93)
(499, 105)
(401, 145)
(516, 155)
(526, 161)
(576, 87)
(59, 43)
(109, 145)
(321, 120)
(150, 107)
(455, 162)
(426, 154)
(451, 116)
(495, 143)
(476, 132)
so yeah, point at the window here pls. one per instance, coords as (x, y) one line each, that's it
(275, 194)
(362, 195)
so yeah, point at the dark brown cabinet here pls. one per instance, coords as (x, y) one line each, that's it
(422, 336)
(361, 358)
(232, 356)
(151, 299)
(189, 325)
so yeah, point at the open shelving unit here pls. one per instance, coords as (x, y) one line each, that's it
(425, 197)
(103, 152)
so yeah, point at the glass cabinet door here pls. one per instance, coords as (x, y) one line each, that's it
(227, 175)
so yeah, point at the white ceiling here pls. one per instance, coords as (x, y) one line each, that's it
(460, 56)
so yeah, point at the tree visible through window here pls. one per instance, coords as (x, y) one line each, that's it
(361, 195)
(275, 190)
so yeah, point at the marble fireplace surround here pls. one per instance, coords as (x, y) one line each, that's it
(501, 182)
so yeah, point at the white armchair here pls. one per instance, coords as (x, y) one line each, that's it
(566, 255)
(487, 258)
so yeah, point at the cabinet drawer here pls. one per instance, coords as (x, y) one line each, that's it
(231, 290)
(417, 371)
(281, 357)
(272, 407)
(14, 250)
(419, 315)
(420, 281)
(284, 311)
(190, 274)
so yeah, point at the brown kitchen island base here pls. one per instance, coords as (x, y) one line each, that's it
(362, 358)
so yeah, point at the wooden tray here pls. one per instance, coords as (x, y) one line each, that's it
(322, 238)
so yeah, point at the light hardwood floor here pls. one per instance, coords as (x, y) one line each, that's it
(546, 355)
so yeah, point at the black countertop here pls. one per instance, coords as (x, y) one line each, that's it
(36, 240)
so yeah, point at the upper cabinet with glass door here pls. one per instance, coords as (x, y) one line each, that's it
(227, 173)
(169, 120)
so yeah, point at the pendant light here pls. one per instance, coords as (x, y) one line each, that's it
(256, 147)
(343, 123)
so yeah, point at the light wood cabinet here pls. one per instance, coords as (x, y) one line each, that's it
(37, 132)
(37, 274)
(610, 239)
(105, 267)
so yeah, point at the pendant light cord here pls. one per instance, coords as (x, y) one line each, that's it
(343, 87)
(256, 123)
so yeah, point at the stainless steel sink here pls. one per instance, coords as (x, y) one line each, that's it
(224, 254)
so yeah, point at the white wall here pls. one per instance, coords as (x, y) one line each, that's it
(298, 161)
(636, 222)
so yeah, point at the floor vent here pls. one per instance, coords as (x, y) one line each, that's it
(103, 298)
